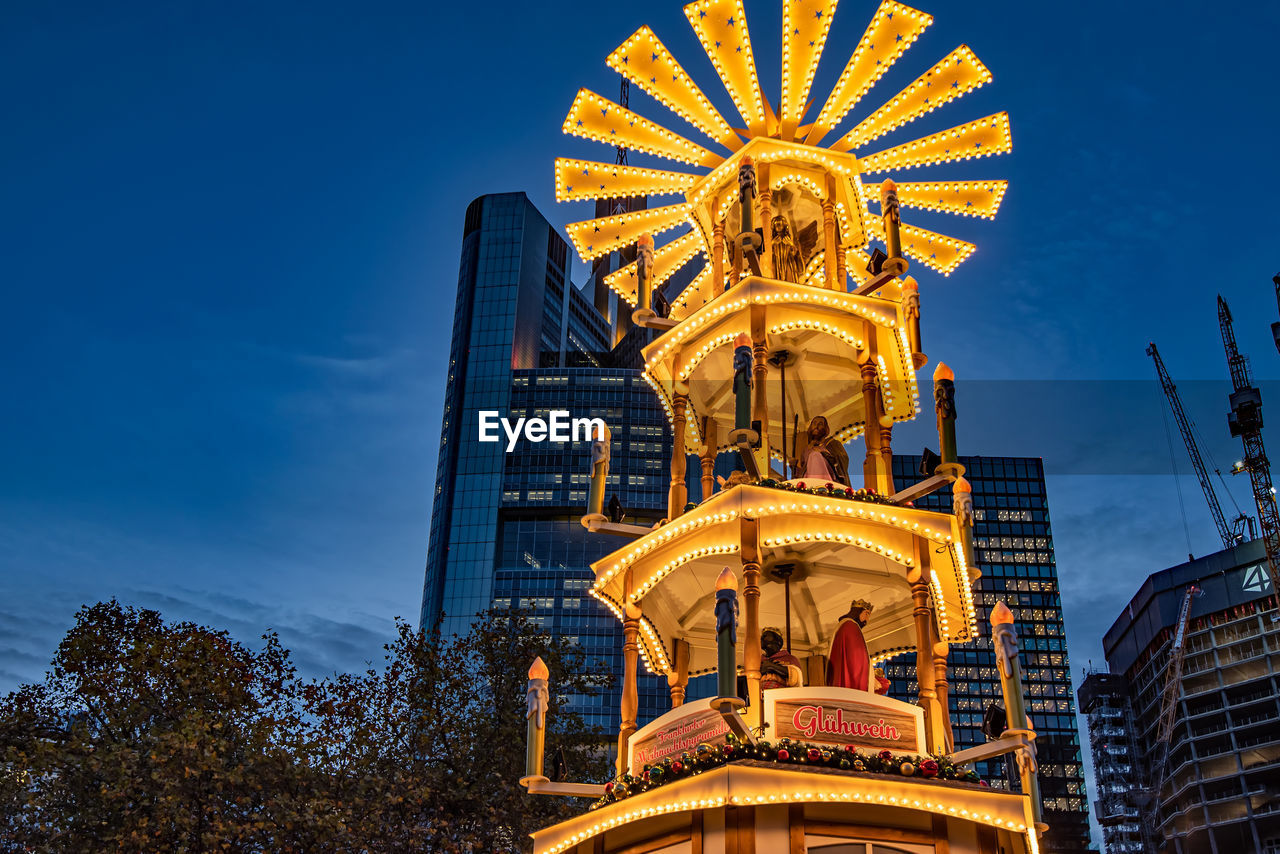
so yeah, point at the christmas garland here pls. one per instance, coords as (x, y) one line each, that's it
(785, 752)
(828, 489)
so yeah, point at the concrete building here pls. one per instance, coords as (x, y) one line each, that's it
(1216, 786)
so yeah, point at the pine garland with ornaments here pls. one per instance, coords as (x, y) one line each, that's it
(828, 489)
(784, 751)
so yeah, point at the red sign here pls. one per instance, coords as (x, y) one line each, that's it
(684, 734)
(852, 723)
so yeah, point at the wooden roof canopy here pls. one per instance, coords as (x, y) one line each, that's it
(843, 549)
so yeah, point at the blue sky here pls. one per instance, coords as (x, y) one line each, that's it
(229, 247)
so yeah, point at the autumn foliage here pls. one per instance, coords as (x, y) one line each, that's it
(155, 736)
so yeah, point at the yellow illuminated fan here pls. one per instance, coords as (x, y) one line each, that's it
(810, 169)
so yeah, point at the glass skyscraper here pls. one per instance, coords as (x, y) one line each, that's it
(1013, 545)
(505, 527)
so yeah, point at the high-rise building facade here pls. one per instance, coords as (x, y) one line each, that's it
(1117, 762)
(505, 526)
(1013, 545)
(1215, 785)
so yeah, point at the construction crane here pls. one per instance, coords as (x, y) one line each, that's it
(1275, 327)
(1173, 674)
(1169, 697)
(1245, 421)
(1229, 537)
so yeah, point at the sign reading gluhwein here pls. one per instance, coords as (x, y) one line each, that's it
(869, 725)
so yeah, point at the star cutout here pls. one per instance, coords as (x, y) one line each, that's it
(579, 122)
(597, 230)
(604, 111)
(899, 38)
(817, 14)
(968, 204)
(955, 84)
(731, 22)
(653, 58)
(702, 14)
(586, 171)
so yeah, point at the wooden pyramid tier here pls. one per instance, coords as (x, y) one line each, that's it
(835, 549)
(757, 807)
(833, 345)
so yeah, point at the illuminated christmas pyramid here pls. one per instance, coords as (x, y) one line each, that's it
(793, 340)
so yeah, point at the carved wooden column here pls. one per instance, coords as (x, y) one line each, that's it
(928, 696)
(759, 400)
(871, 432)
(842, 269)
(942, 688)
(678, 678)
(678, 495)
(766, 217)
(885, 484)
(751, 604)
(630, 694)
(830, 257)
(717, 256)
(708, 457)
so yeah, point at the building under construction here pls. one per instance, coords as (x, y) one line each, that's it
(1185, 726)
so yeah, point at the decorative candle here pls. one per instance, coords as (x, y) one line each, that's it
(890, 215)
(727, 633)
(962, 507)
(537, 714)
(599, 473)
(1005, 640)
(742, 366)
(944, 404)
(911, 311)
(644, 272)
(746, 199)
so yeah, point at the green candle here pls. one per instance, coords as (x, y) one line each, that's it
(727, 633)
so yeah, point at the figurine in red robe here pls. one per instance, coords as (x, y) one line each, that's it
(849, 665)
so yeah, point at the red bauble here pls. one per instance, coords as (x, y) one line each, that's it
(928, 768)
(783, 755)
